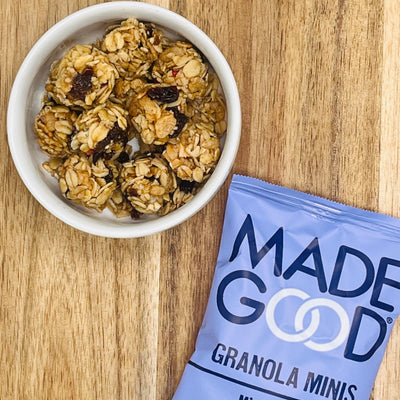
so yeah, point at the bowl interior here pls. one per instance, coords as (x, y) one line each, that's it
(29, 90)
(35, 97)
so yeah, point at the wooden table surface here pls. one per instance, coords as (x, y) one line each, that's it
(84, 317)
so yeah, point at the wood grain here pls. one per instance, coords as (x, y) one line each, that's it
(83, 317)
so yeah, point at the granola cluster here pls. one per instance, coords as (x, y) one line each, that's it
(83, 77)
(134, 84)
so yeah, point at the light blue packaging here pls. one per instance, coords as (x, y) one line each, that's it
(304, 297)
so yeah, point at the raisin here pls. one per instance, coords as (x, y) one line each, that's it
(116, 134)
(164, 94)
(82, 84)
(186, 186)
(181, 121)
(96, 157)
(149, 31)
(132, 192)
(135, 214)
(123, 157)
(109, 177)
(109, 155)
(150, 79)
(157, 149)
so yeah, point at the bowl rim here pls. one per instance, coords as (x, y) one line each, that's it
(16, 124)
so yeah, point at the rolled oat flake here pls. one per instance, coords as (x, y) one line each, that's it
(304, 298)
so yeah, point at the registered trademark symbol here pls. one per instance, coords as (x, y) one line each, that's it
(389, 320)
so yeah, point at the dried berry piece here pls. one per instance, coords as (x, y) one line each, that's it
(186, 186)
(108, 178)
(132, 192)
(150, 79)
(109, 155)
(157, 149)
(116, 134)
(149, 30)
(164, 94)
(181, 121)
(96, 156)
(123, 157)
(82, 84)
(135, 214)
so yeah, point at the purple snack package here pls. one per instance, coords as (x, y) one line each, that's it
(304, 297)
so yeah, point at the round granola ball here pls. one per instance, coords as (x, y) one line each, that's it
(132, 47)
(53, 126)
(210, 108)
(182, 66)
(87, 184)
(147, 183)
(84, 76)
(102, 130)
(155, 115)
(193, 155)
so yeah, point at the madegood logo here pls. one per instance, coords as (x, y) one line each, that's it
(304, 334)
(376, 283)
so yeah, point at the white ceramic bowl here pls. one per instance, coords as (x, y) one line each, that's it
(83, 27)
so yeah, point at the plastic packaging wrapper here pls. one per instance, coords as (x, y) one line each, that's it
(304, 297)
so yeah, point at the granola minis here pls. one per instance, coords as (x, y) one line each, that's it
(181, 65)
(147, 183)
(194, 153)
(134, 85)
(133, 47)
(103, 129)
(87, 183)
(53, 127)
(84, 76)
